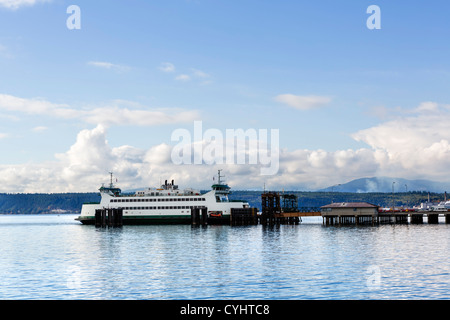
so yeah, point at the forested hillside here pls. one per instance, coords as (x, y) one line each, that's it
(45, 203)
(72, 202)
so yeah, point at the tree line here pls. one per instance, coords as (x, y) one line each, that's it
(43, 203)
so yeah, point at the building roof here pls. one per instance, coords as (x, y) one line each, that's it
(338, 205)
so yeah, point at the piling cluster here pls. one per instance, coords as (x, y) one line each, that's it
(108, 217)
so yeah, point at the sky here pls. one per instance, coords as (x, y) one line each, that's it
(104, 88)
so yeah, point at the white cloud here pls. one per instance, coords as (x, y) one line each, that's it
(303, 102)
(183, 77)
(167, 67)
(200, 74)
(39, 129)
(16, 4)
(3, 135)
(86, 164)
(194, 74)
(416, 145)
(112, 114)
(109, 66)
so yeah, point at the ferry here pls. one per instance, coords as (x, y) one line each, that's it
(165, 205)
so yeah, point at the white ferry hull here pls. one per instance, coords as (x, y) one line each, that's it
(163, 209)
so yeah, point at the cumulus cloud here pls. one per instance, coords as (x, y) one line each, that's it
(303, 102)
(85, 165)
(416, 145)
(112, 114)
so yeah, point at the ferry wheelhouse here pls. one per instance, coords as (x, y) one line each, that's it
(165, 205)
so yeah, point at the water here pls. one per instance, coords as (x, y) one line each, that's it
(55, 257)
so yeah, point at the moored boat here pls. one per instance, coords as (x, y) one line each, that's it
(165, 205)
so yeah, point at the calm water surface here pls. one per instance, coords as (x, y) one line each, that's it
(55, 257)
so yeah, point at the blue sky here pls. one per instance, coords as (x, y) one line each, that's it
(75, 104)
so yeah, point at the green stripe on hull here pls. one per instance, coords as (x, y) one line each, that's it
(137, 220)
(142, 220)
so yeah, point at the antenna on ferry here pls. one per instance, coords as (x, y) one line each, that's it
(219, 182)
(111, 183)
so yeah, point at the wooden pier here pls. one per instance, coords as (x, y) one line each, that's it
(109, 217)
(364, 213)
(415, 217)
(282, 209)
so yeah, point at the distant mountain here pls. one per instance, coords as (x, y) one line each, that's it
(384, 184)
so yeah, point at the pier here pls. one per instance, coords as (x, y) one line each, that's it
(365, 213)
(109, 218)
(283, 209)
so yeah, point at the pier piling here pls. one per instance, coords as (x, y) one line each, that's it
(243, 216)
(108, 217)
(433, 218)
(199, 216)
